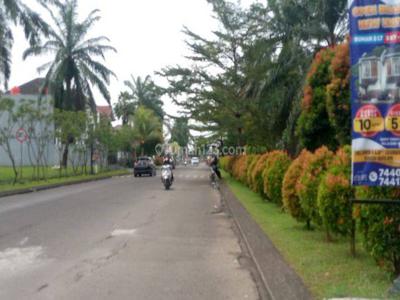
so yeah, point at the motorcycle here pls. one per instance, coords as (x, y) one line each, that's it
(214, 178)
(166, 176)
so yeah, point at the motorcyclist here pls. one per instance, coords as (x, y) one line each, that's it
(214, 165)
(168, 162)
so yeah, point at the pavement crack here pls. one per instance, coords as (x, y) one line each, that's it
(42, 287)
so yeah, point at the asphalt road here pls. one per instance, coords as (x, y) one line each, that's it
(124, 238)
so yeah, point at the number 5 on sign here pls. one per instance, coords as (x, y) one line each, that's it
(392, 122)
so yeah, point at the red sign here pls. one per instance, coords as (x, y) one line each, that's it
(21, 135)
(15, 91)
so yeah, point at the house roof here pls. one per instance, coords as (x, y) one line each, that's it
(33, 87)
(105, 111)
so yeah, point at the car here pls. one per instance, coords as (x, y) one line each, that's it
(144, 166)
(195, 161)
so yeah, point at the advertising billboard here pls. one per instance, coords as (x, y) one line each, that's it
(375, 91)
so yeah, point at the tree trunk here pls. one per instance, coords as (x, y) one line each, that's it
(65, 156)
(396, 265)
(91, 159)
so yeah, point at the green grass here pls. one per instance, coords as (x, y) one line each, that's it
(326, 268)
(5, 187)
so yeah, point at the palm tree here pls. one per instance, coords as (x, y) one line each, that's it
(125, 107)
(147, 126)
(146, 93)
(13, 12)
(73, 71)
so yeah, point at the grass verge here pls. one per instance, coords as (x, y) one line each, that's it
(57, 181)
(326, 268)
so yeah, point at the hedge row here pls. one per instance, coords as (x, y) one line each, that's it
(315, 188)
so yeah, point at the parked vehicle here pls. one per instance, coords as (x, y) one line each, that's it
(195, 161)
(166, 176)
(144, 166)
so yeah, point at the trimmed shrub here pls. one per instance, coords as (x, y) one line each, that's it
(275, 168)
(338, 94)
(381, 226)
(291, 200)
(251, 163)
(334, 194)
(224, 161)
(313, 126)
(239, 168)
(307, 186)
(257, 183)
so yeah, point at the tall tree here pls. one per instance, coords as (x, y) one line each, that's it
(147, 128)
(146, 93)
(14, 12)
(211, 90)
(125, 107)
(180, 132)
(73, 70)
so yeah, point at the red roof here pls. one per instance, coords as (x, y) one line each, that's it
(105, 111)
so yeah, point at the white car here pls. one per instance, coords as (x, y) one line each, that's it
(195, 161)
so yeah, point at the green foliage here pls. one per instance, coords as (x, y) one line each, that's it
(313, 127)
(257, 181)
(143, 93)
(334, 194)
(180, 132)
(14, 12)
(307, 186)
(276, 166)
(147, 129)
(73, 70)
(381, 226)
(338, 94)
(291, 200)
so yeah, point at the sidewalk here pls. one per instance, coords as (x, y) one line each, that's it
(279, 279)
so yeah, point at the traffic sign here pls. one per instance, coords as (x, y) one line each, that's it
(21, 135)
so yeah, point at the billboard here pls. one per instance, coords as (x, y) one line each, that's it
(375, 91)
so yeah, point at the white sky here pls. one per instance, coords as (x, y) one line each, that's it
(146, 33)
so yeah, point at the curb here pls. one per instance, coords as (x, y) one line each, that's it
(54, 186)
(279, 279)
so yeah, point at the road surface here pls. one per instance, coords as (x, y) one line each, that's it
(124, 238)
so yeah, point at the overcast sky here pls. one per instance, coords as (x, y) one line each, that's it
(146, 33)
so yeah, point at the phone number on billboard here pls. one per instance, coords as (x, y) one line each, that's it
(386, 177)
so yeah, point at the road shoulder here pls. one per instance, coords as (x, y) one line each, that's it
(279, 279)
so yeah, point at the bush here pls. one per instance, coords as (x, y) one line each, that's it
(313, 126)
(334, 194)
(257, 183)
(275, 168)
(291, 201)
(239, 168)
(230, 164)
(251, 163)
(307, 186)
(224, 161)
(381, 226)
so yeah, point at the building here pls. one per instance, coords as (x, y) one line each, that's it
(379, 76)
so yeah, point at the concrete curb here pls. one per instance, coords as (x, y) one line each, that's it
(279, 279)
(54, 186)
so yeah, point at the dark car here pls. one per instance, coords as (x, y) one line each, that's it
(144, 166)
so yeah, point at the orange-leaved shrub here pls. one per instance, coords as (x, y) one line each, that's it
(251, 164)
(307, 186)
(334, 194)
(239, 168)
(257, 182)
(291, 200)
(275, 168)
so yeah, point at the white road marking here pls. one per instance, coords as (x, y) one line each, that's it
(120, 232)
(24, 241)
(14, 260)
